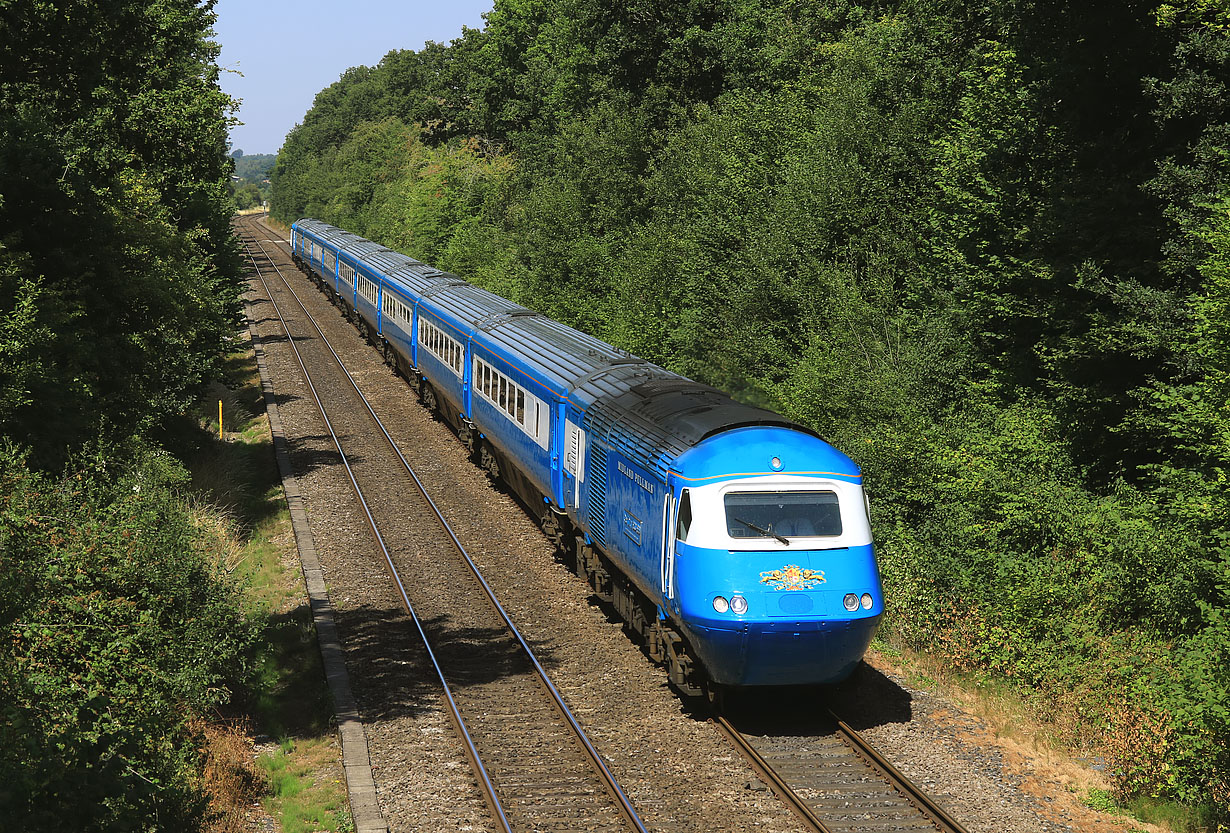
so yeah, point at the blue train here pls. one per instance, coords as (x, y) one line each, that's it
(734, 541)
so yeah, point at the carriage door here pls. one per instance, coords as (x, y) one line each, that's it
(574, 457)
(670, 512)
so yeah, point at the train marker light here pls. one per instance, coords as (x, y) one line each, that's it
(738, 604)
(867, 601)
(851, 602)
(776, 464)
(720, 604)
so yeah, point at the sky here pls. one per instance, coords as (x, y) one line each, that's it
(277, 54)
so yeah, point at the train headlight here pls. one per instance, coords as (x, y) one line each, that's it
(721, 605)
(867, 601)
(851, 602)
(738, 604)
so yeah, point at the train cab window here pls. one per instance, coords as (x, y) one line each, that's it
(782, 514)
(684, 522)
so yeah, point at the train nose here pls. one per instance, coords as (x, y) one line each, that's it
(785, 652)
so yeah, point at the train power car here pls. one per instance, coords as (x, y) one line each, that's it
(733, 540)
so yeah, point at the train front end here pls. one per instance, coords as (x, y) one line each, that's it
(774, 575)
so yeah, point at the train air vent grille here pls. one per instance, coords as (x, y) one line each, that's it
(596, 505)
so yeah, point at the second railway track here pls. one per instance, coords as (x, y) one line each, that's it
(837, 788)
(542, 771)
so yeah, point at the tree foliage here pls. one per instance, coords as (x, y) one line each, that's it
(117, 267)
(982, 249)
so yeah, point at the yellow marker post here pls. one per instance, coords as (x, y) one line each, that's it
(219, 419)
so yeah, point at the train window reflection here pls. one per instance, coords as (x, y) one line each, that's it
(782, 514)
(685, 516)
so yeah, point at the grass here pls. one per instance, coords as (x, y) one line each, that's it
(236, 485)
(1156, 811)
(303, 803)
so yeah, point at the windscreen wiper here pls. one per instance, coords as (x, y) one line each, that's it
(770, 533)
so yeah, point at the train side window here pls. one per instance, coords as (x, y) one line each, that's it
(521, 407)
(685, 516)
(503, 392)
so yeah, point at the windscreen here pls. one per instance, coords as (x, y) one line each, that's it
(782, 514)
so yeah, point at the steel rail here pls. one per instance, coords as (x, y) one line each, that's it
(617, 794)
(485, 784)
(914, 794)
(776, 783)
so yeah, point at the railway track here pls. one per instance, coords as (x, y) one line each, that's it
(834, 780)
(532, 761)
(826, 773)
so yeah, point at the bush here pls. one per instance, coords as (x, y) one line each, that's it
(116, 630)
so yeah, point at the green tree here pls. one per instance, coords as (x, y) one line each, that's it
(114, 201)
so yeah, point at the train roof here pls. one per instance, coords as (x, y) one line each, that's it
(647, 411)
(334, 236)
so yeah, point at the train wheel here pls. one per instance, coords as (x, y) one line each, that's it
(468, 435)
(428, 394)
(487, 461)
(551, 528)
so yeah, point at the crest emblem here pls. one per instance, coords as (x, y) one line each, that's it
(792, 577)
